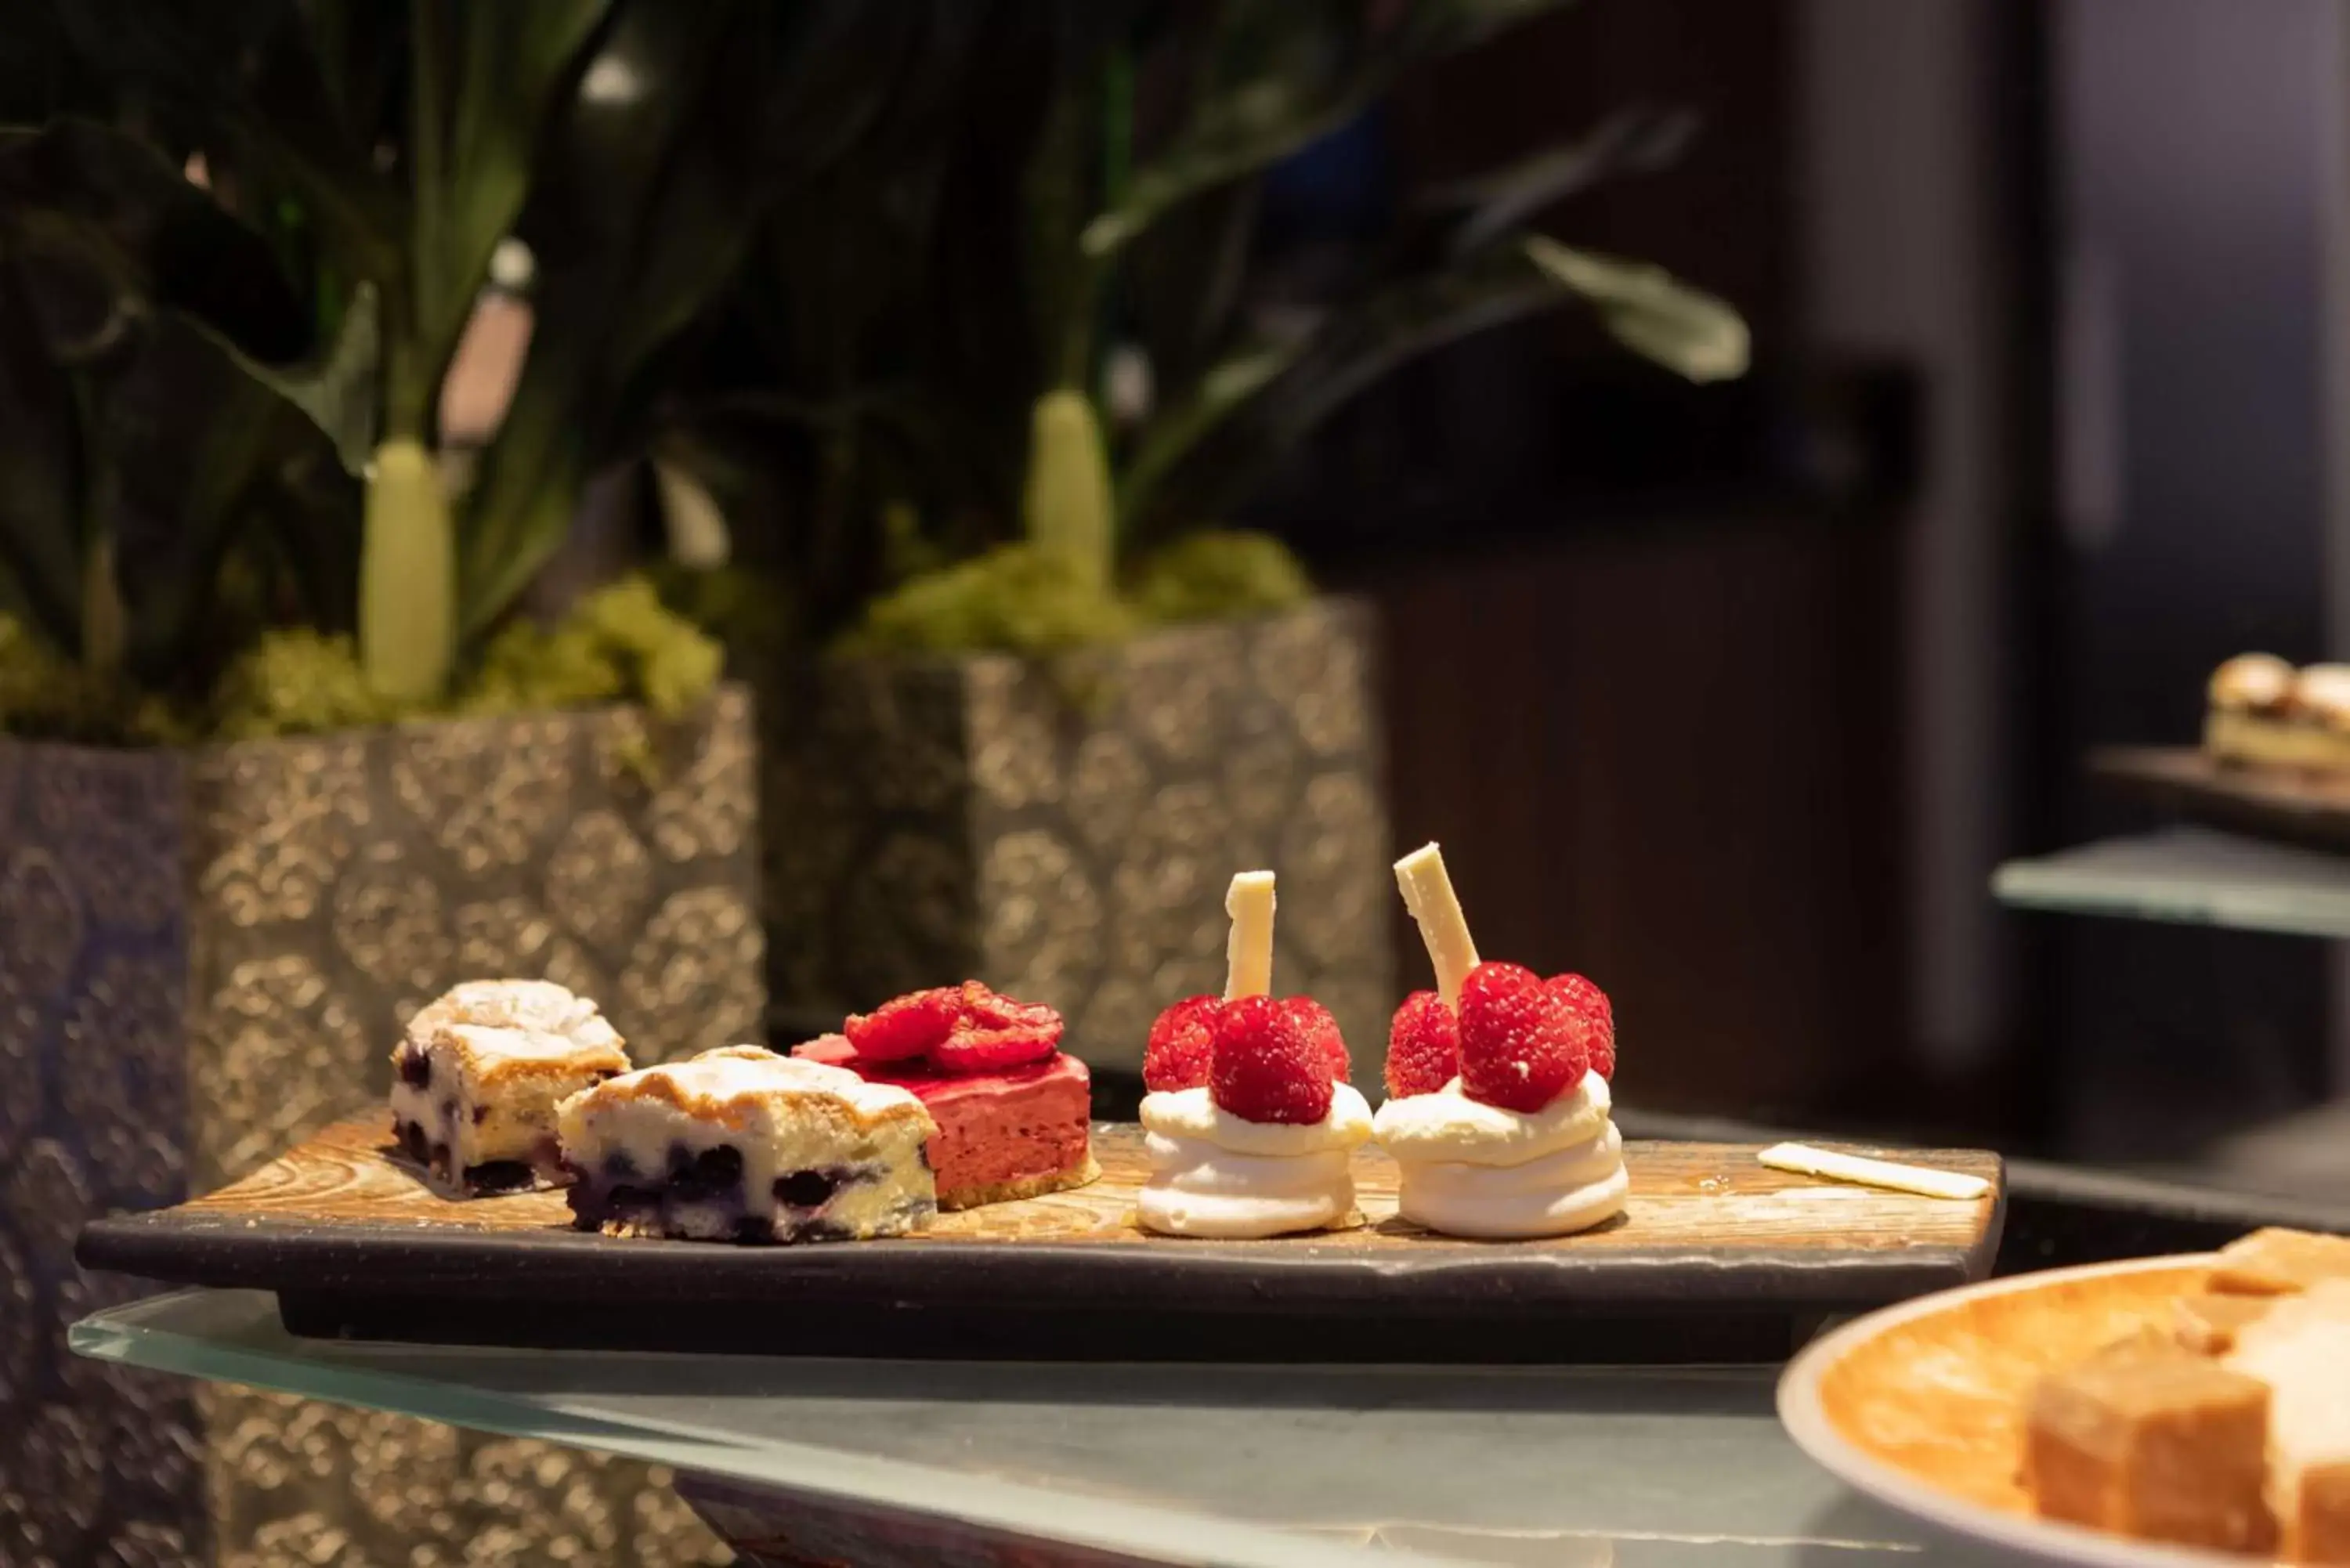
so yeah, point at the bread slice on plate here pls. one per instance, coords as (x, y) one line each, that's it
(2207, 1322)
(2148, 1439)
(2301, 1350)
(2272, 1262)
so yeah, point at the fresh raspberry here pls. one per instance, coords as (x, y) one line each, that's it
(1180, 1043)
(1521, 1047)
(1323, 1030)
(912, 1025)
(1264, 1067)
(995, 1033)
(1598, 1015)
(1423, 1046)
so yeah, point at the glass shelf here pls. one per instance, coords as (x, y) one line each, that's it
(2189, 875)
(1258, 1466)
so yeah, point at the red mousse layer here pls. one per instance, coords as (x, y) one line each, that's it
(1001, 1135)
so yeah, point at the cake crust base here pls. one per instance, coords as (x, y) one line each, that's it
(1021, 1187)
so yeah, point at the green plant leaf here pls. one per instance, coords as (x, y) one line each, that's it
(304, 532)
(646, 207)
(485, 79)
(1184, 280)
(637, 223)
(246, 81)
(1693, 333)
(1630, 141)
(206, 457)
(1646, 308)
(1356, 347)
(42, 76)
(521, 503)
(108, 203)
(1170, 438)
(342, 393)
(110, 206)
(1283, 76)
(42, 471)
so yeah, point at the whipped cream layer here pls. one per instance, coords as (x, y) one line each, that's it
(1194, 1113)
(1551, 1195)
(1217, 1175)
(1450, 1126)
(1467, 1168)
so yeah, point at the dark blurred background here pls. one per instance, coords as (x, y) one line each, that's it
(1735, 695)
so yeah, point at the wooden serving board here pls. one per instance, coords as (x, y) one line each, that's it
(354, 1244)
(2286, 804)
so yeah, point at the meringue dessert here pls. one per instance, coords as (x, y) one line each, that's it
(2261, 710)
(1249, 1124)
(1484, 1171)
(1214, 1173)
(477, 1078)
(1498, 1115)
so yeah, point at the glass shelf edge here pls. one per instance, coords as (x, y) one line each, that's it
(1131, 1529)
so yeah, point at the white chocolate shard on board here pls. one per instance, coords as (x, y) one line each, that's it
(1427, 894)
(1248, 952)
(1829, 1166)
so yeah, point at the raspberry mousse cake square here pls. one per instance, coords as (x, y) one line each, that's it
(477, 1079)
(742, 1145)
(1014, 1112)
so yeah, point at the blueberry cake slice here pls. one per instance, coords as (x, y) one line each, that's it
(477, 1080)
(742, 1145)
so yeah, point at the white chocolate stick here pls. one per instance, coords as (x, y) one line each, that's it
(1828, 1165)
(1248, 953)
(1427, 894)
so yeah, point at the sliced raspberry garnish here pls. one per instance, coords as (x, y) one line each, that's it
(1323, 1030)
(995, 1032)
(1423, 1046)
(912, 1025)
(1264, 1067)
(1598, 1015)
(1521, 1047)
(1180, 1043)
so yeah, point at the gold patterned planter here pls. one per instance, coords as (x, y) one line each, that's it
(1065, 829)
(204, 957)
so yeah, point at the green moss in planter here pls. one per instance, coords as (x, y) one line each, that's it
(1017, 598)
(1219, 574)
(46, 697)
(295, 682)
(620, 644)
(1021, 598)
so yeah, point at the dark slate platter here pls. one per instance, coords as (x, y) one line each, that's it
(1718, 1257)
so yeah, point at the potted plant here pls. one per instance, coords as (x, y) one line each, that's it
(1061, 704)
(279, 760)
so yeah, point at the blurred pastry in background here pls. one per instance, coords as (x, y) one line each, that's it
(2263, 712)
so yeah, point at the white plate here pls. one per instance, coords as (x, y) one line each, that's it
(2044, 1539)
